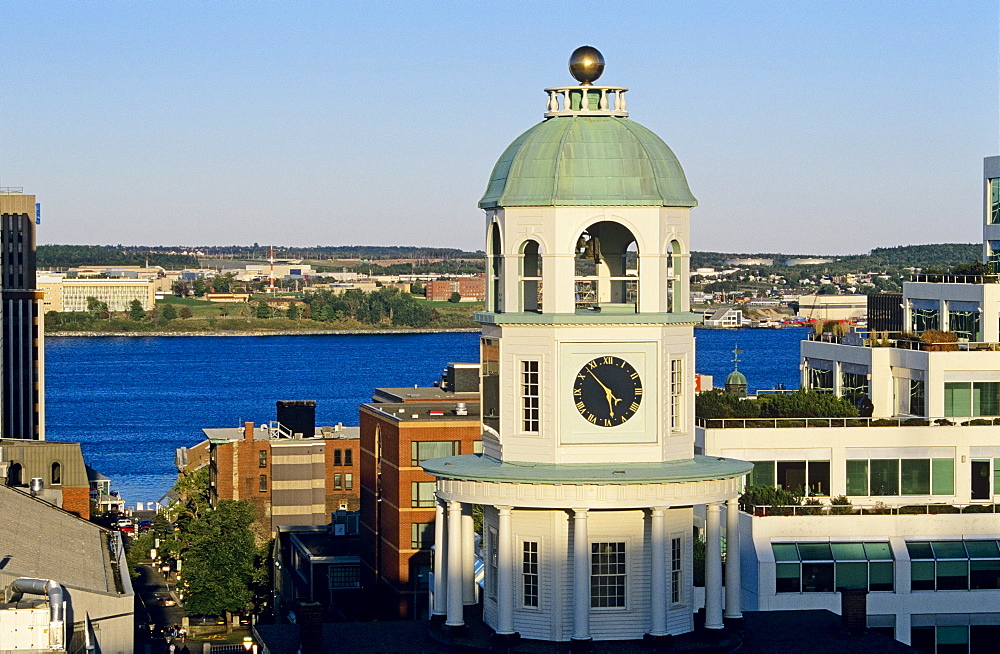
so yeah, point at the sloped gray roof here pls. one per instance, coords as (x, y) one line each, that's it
(42, 541)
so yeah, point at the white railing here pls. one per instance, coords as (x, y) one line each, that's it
(610, 101)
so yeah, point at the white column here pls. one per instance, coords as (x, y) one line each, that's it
(713, 568)
(581, 576)
(468, 556)
(658, 572)
(454, 548)
(733, 610)
(505, 574)
(440, 595)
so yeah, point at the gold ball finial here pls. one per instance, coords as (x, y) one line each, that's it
(586, 64)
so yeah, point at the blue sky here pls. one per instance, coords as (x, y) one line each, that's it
(813, 127)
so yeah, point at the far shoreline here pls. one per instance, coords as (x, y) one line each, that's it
(261, 332)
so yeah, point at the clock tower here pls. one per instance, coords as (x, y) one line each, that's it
(588, 475)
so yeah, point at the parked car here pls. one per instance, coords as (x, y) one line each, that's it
(145, 525)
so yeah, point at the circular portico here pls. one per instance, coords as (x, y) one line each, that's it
(643, 516)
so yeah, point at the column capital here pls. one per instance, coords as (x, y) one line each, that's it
(658, 510)
(504, 509)
(579, 512)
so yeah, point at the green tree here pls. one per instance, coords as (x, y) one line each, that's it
(135, 311)
(168, 312)
(220, 560)
(98, 309)
(262, 310)
(293, 311)
(455, 297)
(185, 312)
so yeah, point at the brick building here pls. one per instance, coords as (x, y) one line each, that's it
(292, 472)
(59, 466)
(400, 429)
(469, 288)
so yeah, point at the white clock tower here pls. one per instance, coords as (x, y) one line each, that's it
(588, 475)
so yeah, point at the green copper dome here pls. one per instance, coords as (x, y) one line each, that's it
(736, 378)
(588, 161)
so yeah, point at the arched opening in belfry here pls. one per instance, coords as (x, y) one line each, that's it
(495, 268)
(531, 276)
(607, 268)
(674, 277)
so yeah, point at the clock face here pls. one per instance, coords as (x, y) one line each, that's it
(607, 391)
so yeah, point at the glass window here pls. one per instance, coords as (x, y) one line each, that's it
(676, 579)
(348, 457)
(421, 535)
(786, 578)
(345, 576)
(819, 477)
(884, 478)
(955, 565)
(489, 349)
(984, 575)
(792, 476)
(263, 483)
(820, 381)
(943, 476)
(676, 394)
(338, 481)
(530, 399)
(924, 319)
(421, 451)
(965, 324)
(957, 399)
(338, 458)
(492, 558)
(785, 552)
(853, 387)
(762, 474)
(817, 577)
(915, 476)
(852, 575)
(607, 575)
(918, 392)
(56, 473)
(922, 575)
(857, 477)
(529, 574)
(827, 567)
(262, 459)
(348, 481)
(422, 494)
(986, 398)
(952, 575)
(880, 576)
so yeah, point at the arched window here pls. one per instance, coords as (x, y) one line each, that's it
(531, 277)
(607, 268)
(495, 269)
(56, 473)
(14, 475)
(674, 278)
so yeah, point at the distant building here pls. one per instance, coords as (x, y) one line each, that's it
(752, 261)
(806, 261)
(67, 578)
(832, 307)
(401, 429)
(469, 288)
(23, 396)
(726, 317)
(67, 294)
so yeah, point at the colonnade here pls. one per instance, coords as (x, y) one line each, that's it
(454, 581)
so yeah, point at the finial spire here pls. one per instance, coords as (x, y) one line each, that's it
(586, 64)
(736, 356)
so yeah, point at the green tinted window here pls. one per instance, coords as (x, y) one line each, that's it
(919, 550)
(852, 575)
(943, 476)
(785, 552)
(880, 576)
(884, 477)
(996, 476)
(982, 549)
(949, 549)
(953, 635)
(815, 552)
(985, 398)
(878, 551)
(922, 571)
(848, 551)
(957, 399)
(762, 474)
(786, 578)
(857, 477)
(915, 476)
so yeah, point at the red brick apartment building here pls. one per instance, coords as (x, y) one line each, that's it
(293, 473)
(400, 429)
(470, 288)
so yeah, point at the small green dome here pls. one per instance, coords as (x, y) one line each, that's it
(588, 161)
(736, 378)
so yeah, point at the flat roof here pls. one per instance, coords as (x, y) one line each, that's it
(422, 394)
(485, 468)
(261, 433)
(422, 411)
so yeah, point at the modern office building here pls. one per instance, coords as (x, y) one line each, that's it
(22, 392)
(921, 534)
(400, 429)
(63, 293)
(588, 476)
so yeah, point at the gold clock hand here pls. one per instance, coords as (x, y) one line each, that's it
(612, 400)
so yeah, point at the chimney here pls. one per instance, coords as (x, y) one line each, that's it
(248, 431)
(37, 485)
(854, 610)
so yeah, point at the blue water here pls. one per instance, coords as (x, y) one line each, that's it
(132, 401)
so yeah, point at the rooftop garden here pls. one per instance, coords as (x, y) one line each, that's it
(800, 404)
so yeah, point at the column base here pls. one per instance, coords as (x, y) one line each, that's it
(664, 643)
(501, 642)
(438, 619)
(581, 645)
(455, 631)
(733, 624)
